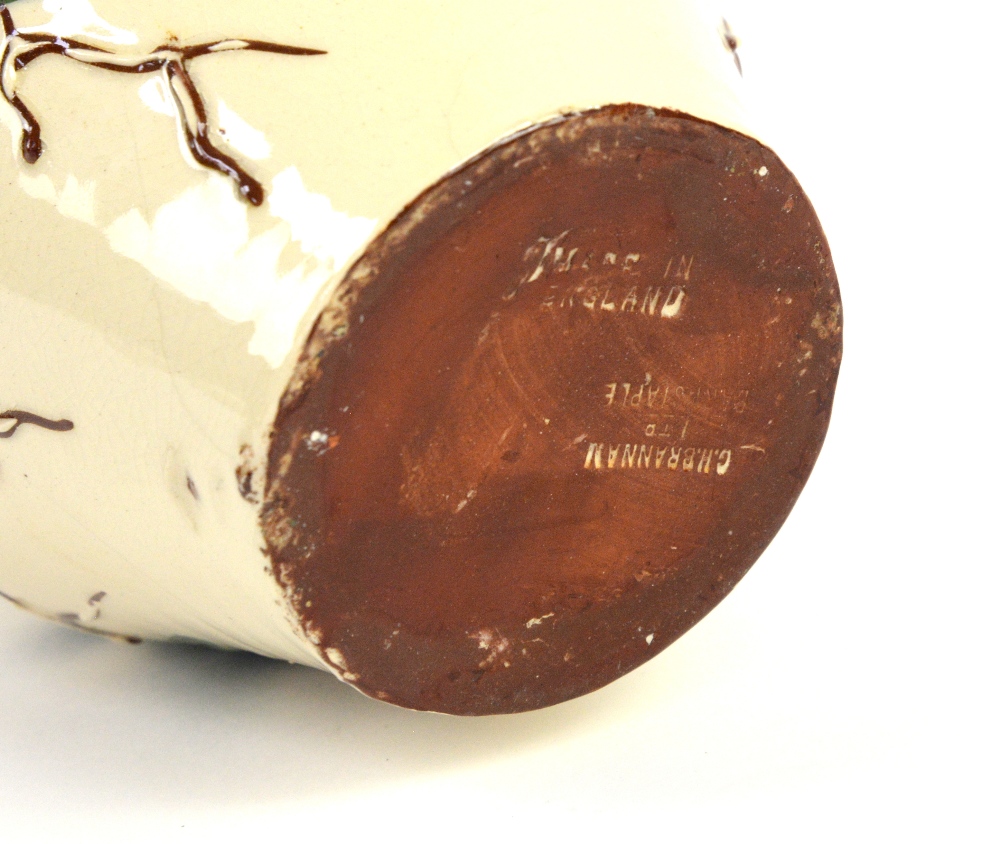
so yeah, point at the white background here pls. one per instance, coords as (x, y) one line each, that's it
(844, 692)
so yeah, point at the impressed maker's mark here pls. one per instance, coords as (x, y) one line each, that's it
(700, 461)
(563, 272)
(602, 281)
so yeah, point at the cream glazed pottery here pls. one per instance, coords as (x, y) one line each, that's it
(471, 351)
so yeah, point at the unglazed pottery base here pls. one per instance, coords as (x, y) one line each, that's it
(554, 413)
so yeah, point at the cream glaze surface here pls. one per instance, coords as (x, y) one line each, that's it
(144, 300)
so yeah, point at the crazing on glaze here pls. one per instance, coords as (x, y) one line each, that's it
(170, 60)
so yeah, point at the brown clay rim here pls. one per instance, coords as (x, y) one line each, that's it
(554, 413)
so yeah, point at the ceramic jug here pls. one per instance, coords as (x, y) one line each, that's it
(471, 351)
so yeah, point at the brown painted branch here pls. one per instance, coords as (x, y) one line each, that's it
(170, 58)
(209, 47)
(63, 43)
(31, 132)
(8, 21)
(24, 59)
(21, 417)
(196, 133)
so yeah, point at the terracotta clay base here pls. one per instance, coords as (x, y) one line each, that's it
(557, 411)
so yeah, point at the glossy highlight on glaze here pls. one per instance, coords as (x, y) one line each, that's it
(22, 48)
